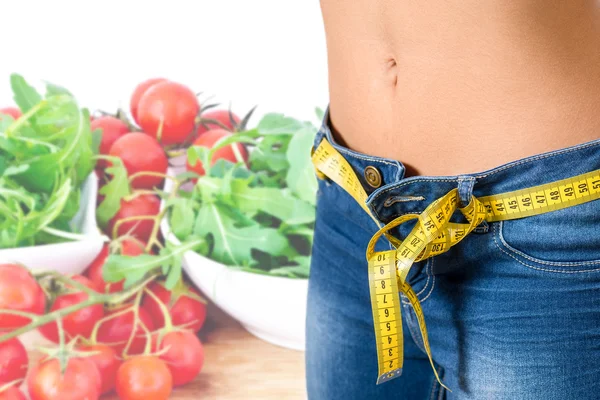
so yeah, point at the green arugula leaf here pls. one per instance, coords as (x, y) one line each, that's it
(96, 140)
(320, 113)
(114, 191)
(301, 177)
(278, 124)
(232, 244)
(271, 154)
(135, 269)
(53, 90)
(200, 154)
(280, 203)
(182, 216)
(25, 95)
(294, 271)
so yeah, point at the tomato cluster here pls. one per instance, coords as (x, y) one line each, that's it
(140, 348)
(144, 344)
(166, 115)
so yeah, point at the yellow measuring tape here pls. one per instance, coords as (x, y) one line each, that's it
(434, 234)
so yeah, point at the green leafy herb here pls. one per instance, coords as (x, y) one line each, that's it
(258, 219)
(116, 189)
(45, 156)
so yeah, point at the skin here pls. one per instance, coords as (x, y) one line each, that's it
(427, 82)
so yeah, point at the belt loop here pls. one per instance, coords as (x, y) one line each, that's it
(465, 189)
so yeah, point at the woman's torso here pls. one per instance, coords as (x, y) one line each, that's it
(461, 87)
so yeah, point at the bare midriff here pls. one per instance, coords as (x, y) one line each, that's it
(462, 86)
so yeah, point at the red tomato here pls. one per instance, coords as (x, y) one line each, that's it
(94, 271)
(129, 247)
(12, 111)
(18, 291)
(12, 393)
(116, 331)
(13, 361)
(112, 129)
(172, 104)
(80, 322)
(139, 92)
(234, 152)
(141, 153)
(184, 310)
(223, 116)
(144, 378)
(141, 205)
(81, 381)
(183, 354)
(106, 362)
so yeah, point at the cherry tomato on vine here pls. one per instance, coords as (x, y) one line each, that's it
(144, 378)
(13, 361)
(106, 362)
(129, 247)
(139, 92)
(222, 116)
(138, 206)
(12, 111)
(12, 393)
(80, 322)
(117, 331)
(141, 153)
(184, 310)
(170, 108)
(80, 381)
(235, 152)
(19, 291)
(112, 129)
(183, 353)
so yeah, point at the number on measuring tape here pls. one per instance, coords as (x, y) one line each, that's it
(387, 317)
(433, 235)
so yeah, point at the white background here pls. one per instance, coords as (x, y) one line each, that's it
(265, 52)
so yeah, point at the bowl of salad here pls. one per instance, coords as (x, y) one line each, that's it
(47, 182)
(255, 212)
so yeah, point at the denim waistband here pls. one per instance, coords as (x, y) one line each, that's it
(400, 195)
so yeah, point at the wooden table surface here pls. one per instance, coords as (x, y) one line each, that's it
(237, 366)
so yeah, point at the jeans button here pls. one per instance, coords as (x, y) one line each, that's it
(373, 177)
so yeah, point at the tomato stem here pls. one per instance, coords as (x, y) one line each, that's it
(130, 219)
(93, 298)
(151, 173)
(163, 309)
(136, 319)
(158, 218)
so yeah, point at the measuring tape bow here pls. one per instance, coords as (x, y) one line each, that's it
(434, 234)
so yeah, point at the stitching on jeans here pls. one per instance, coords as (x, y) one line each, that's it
(429, 275)
(428, 272)
(396, 186)
(352, 153)
(435, 384)
(537, 268)
(511, 165)
(541, 156)
(365, 158)
(433, 283)
(416, 339)
(390, 201)
(533, 259)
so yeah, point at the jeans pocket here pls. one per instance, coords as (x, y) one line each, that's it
(564, 240)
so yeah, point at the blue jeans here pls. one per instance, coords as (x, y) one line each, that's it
(513, 310)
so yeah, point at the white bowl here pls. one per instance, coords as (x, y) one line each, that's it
(68, 257)
(271, 308)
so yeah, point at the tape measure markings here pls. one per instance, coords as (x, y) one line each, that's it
(434, 234)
